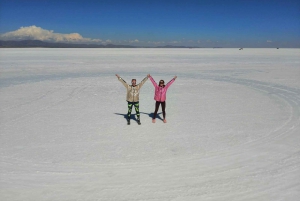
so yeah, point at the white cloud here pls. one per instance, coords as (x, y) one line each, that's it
(269, 41)
(37, 33)
(156, 42)
(134, 41)
(108, 41)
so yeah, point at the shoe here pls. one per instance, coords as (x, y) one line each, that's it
(165, 121)
(153, 120)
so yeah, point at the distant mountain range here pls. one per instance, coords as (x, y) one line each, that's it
(38, 43)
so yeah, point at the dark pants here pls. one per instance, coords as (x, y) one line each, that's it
(136, 107)
(163, 107)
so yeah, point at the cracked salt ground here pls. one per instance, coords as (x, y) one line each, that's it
(232, 132)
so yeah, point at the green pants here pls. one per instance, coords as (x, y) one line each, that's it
(136, 107)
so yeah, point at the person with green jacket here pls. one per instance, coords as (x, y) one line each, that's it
(132, 97)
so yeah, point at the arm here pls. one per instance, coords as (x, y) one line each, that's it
(143, 82)
(170, 82)
(153, 82)
(122, 81)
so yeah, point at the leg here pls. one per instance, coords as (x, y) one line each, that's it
(163, 107)
(130, 104)
(137, 110)
(156, 109)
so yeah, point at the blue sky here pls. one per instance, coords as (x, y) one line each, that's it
(214, 23)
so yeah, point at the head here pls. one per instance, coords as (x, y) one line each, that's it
(161, 83)
(133, 82)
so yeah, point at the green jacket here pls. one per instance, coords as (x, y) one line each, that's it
(133, 92)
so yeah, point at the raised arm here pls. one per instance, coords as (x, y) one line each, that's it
(143, 81)
(170, 82)
(153, 81)
(122, 81)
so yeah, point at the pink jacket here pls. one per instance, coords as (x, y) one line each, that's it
(160, 92)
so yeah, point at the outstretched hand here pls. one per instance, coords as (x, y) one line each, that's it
(148, 75)
(175, 77)
(117, 76)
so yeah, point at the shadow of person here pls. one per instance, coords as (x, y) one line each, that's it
(151, 115)
(132, 116)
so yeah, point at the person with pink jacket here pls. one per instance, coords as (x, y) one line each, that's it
(160, 96)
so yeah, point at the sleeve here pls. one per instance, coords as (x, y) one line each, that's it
(169, 83)
(123, 82)
(153, 82)
(143, 82)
